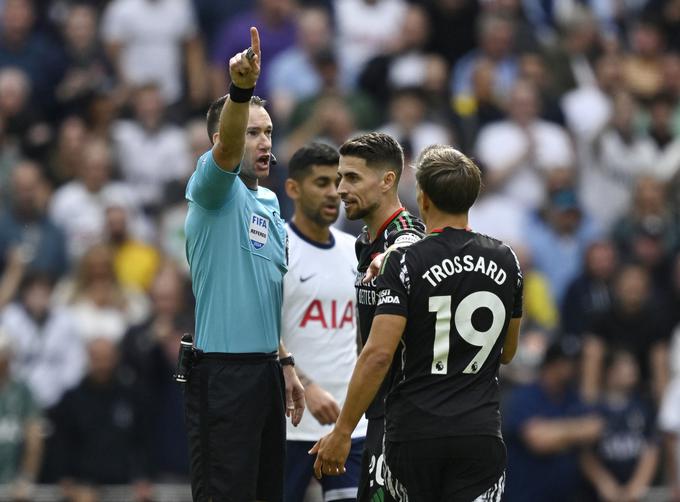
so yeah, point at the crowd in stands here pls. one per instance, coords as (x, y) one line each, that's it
(571, 108)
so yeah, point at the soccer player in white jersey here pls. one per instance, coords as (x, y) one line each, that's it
(318, 320)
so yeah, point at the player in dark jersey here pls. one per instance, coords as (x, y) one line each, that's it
(449, 308)
(370, 167)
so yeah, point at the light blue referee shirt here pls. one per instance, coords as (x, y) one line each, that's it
(236, 247)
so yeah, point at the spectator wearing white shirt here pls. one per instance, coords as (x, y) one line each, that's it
(150, 151)
(366, 28)
(79, 206)
(519, 152)
(48, 353)
(150, 41)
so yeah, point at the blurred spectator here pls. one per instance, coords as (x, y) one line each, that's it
(642, 67)
(410, 125)
(21, 438)
(532, 67)
(570, 61)
(671, 82)
(496, 44)
(87, 69)
(101, 428)
(48, 353)
(150, 41)
(172, 240)
(669, 423)
(588, 108)
(620, 155)
(149, 351)
(275, 22)
(544, 425)
(25, 226)
(135, 262)
(453, 27)
(540, 308)
(21, 116)
(634, 322)
(23, 47)
(666, 140)
(648, 233)
(622, 464)
(294, 76)
(520, 151)
(406, 65)
(103, 307)
(588, 296)
(67, 154)
(150, 151)
(558, 237)
(333, 114)
(480, 108)
(365, 29)
(211, 15)
(78, 206)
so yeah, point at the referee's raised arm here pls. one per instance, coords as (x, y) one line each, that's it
(244, 70)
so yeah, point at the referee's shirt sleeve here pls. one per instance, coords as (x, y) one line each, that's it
(210, 186)
(393, 284)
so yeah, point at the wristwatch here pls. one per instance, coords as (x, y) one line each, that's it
(287, 361)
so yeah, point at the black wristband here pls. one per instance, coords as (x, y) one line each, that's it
(240, 95)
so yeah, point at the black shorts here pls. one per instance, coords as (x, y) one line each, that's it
(372, 480)
(451, 469)
(235, 418)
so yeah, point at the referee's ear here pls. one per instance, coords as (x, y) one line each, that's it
(292, 189)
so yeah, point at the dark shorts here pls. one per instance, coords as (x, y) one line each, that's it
(235, 418)
(299, 472)
(451, 469)
(372, 482)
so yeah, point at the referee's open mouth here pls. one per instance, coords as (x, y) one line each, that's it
(262, 162)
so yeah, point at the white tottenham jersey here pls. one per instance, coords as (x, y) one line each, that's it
(318, 320)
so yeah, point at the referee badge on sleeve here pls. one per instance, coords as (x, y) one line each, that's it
(259, 231)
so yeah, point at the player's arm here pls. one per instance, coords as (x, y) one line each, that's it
(295, 392)
(244, 71)
(511, 341)
(512, 335)
(372, 366)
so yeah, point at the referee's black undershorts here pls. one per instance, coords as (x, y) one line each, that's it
(235, 418)
(448, 469)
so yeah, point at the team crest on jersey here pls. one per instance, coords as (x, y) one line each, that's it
(259, 231)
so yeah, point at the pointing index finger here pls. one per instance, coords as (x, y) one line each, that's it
(255, 41)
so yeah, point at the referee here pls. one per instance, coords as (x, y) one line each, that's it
(237, 393)
(449, 306)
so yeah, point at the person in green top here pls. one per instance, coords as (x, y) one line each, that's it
(20, 434)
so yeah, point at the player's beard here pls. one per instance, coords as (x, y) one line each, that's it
(360, 213)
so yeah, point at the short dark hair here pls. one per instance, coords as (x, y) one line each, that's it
(378, 150)
(313, 154)
(450, 179)
(213, 115)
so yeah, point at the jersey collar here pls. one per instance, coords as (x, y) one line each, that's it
(441, 229)
(384, 225)
(320, 245)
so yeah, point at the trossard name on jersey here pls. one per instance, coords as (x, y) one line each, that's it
(466, 263)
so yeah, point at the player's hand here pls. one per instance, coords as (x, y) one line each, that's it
(295, 395)
(331, 454)
(321, 404)
(374, 268)
(244, 67)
